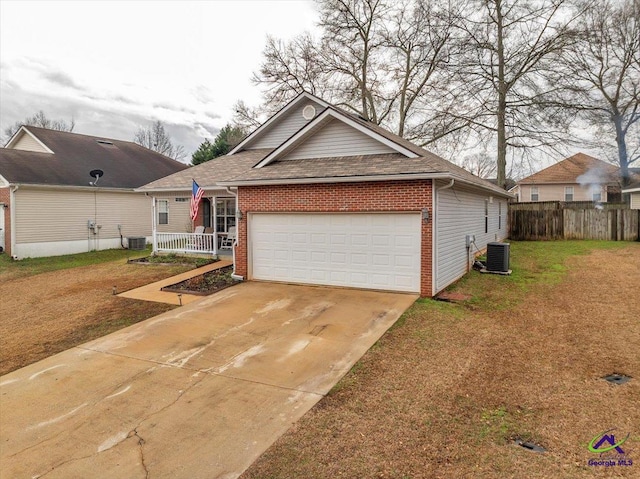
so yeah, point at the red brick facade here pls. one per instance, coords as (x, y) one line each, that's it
(5, 197)
(413, 195)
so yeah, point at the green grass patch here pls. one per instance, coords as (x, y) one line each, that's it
(533, 263)
(33, 266)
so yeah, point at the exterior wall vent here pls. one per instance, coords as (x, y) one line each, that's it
(498, 257)
(309, 112)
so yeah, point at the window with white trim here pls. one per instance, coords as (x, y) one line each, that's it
(163, 212)
(597, 196)
(534, 193)
(486, 216)
(225, 214)
(568, 193)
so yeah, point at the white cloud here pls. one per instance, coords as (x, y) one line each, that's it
(112, 65)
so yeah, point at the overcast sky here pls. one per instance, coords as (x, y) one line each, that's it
(113, 66)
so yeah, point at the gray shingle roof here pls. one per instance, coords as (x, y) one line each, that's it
(238, 168)
(125, 164)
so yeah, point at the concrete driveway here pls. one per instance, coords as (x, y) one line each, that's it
(198, 392)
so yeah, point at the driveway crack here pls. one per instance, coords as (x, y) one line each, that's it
(141, 443)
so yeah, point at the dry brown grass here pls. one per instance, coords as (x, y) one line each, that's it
(43, 314)
(445, 392)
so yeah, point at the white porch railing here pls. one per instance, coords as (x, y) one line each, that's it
(185, 243)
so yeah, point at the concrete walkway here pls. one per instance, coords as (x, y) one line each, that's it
(198, 392)
(152, 292)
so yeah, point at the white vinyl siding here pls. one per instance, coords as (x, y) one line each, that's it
(371, 251)
(556, 192)
(635, 201)
(59, 215)
(281, 130)
(337, 139)
(179, 204)
(461, 212)
(28, 143)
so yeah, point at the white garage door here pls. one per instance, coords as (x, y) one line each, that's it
(373, 251)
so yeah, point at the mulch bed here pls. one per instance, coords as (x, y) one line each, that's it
(204, 284)
(173, 260)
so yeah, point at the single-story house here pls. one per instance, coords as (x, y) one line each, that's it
(634, 195)
(317, 195)
(577, 178)
(64, 193)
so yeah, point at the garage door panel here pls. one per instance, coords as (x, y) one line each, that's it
(379, 251)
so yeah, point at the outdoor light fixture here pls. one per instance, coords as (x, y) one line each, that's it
(425, 215)
(239, 214)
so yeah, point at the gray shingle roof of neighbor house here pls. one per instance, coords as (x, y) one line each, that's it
(125, 164)
(238, 169)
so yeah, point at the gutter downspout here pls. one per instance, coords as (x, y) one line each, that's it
(233, 249)
(12, 219)
(435, 233)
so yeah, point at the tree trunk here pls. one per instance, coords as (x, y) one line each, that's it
(622, 150)
(502, 102)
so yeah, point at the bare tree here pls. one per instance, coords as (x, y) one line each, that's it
(386, 62)
(480, 164)
(511, 44)
(41, 120)
(601, 74)
(156, 138)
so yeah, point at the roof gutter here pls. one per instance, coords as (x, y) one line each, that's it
(352, 179)
(41, 186)
(446, 187)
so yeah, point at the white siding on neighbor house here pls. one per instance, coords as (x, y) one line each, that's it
(556, 192)
(461, 212)
(337, 139)
(43, 215)
(276, 133)
(635, 201)
(28, 143)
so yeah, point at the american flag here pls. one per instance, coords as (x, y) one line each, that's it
(196, 196)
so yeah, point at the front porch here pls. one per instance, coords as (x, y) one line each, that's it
(212, 233)
(190, 243)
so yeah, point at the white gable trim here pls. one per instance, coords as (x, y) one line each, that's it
(23, 131)
(3, 182)
(292, 104)
(299, 137)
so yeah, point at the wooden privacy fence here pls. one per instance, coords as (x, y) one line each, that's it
(558, 220)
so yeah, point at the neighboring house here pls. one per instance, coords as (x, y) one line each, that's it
(325, 197)
(634, 195)
(577, 178)
(50, 208)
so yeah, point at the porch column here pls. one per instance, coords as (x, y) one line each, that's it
(153, 224)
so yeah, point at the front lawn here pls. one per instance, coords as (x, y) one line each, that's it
(451, 387)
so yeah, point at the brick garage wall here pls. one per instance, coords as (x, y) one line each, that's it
(363, 197)
(5, 197)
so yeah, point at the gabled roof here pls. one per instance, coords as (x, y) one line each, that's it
(125, 164)
(579, 168)
(325, 116)
(408, 161)
(262, 129)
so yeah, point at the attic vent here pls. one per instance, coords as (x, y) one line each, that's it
(309, 112)
(105, 142)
